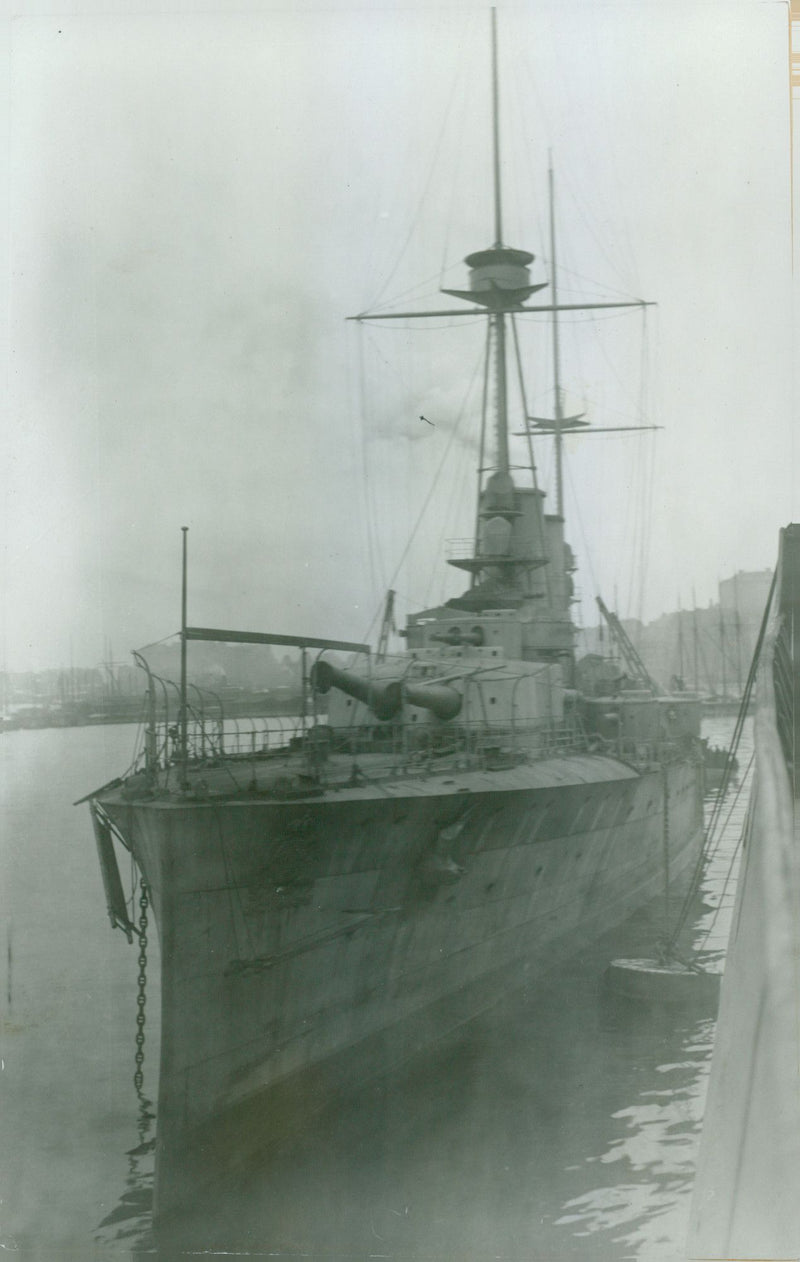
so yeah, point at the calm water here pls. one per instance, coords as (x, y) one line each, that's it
(562, 1126)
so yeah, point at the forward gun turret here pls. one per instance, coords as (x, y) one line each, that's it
(385, 697)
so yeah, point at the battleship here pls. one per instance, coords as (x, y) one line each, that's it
(443, 825)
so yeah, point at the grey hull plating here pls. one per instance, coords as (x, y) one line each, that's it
(748, 1170)
(308, 944)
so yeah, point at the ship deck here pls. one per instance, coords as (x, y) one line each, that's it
(287, 777)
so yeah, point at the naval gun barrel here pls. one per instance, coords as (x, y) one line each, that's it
(385, 696)
(440, 699)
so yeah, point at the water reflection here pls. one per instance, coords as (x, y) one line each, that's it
(130, 1222)
(563, 1125)
(639, 1209)
(640, 1205)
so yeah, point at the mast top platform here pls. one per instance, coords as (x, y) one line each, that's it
(499, 254)
(498, 277)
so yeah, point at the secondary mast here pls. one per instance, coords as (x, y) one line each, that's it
(559, 441)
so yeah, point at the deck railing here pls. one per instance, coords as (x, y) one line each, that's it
(213, 739)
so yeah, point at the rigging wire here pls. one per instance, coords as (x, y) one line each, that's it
(428, 497)
(368, 504)
(587, 220)
(529, 127)
(624, 386)
(622, 200)
(645, 405)
(715, 842)
(173, 635)
(454, 182)
(646, 522)
(644, 479)
(602, 289)
(709, 852)
(723, 788)
(543, 121)
(482, 447)
(636, 498)
(703, 941)
(586, 549)
(531, 461)
(397, 327)
(435, 278)
(454, 512)
(424, 194)
(625, 557)
(577, 317)
(522, 181)
(641, 528)
(524, 401)
(638, 516)
(551, 129)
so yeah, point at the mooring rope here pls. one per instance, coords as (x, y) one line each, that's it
(716, 810)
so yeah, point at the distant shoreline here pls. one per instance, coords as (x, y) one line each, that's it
(132, 710)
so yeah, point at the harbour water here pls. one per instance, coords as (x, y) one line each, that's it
(562, 1125)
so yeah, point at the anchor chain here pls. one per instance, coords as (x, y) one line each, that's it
(141, 998)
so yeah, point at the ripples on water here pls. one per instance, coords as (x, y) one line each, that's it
(563, 1125)
(69, 999)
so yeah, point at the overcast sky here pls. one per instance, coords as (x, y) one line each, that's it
(192, 205)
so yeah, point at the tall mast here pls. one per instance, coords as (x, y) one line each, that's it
(559, 415)
(498, 318)
(500, 284)
(498, 205)
(501, 392)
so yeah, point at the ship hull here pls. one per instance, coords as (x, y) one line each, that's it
(307, 945)
(745, 1202)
